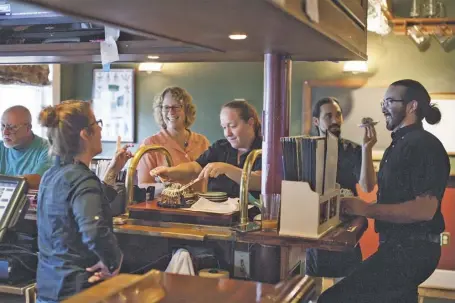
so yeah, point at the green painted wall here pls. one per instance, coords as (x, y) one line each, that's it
(212, 84)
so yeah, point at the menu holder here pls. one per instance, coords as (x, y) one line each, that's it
(305, 213)
(318, 161)
(331, 162)
(312, 160)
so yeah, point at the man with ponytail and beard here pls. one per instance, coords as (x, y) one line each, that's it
(411, 182)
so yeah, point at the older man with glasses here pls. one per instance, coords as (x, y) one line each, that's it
(22, 153)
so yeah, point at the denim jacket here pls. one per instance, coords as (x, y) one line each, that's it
(74, 230)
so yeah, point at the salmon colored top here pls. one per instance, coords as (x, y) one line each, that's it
(197, 144)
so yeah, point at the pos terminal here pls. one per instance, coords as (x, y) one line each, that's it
(17, 262)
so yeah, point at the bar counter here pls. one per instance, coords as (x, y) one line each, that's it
(343, 237)
(149, 243)
(156, 286)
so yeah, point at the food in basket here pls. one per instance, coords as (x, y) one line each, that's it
(173, 196)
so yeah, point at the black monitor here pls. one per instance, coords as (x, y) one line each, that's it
(14, 13)
(13, 201)
(22, 23)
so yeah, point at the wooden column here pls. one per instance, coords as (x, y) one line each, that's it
(275, 118)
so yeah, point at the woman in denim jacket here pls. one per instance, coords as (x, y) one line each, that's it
(77, 246)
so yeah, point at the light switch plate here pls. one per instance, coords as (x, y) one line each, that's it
(241, 264)
(445, 238)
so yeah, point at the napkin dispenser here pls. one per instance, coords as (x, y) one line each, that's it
(305, 213)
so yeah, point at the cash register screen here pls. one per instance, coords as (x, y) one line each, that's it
(13, 200)
(7, 189)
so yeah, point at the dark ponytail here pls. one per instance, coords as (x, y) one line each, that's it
(415, 91)
(432, 114)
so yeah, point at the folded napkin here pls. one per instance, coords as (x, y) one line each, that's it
(181, 263)
(226, 207)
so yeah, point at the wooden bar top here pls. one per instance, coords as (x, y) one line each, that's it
(156, 286)
(342, 237)
(152, 206)
(177, 231)
(104, 289)
(150, 210)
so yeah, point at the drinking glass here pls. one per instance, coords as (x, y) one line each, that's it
(270, 211)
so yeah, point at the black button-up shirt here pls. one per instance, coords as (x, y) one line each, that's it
(74, 230)
(222, 151)
(414, 164)
(349, 164)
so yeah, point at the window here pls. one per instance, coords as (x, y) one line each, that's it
(32, 97)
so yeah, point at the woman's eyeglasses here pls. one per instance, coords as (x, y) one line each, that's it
(176, 108)
(99, 122)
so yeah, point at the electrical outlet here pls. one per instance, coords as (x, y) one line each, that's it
(241, 264)
(445, 238)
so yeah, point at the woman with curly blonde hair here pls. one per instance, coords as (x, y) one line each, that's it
(174, 113)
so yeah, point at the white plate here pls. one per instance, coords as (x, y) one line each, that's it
(214, 197)
(216, 193)
(213, 194)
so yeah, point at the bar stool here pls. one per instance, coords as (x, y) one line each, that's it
(328, 282)
(446, 294)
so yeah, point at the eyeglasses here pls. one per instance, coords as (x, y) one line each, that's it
(387, 102)
(99, 122)
(169, 108)
(13, 128)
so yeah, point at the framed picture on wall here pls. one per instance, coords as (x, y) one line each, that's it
(113, 102)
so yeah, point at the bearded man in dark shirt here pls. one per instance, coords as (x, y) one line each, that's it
(411, 182)
(355, 165)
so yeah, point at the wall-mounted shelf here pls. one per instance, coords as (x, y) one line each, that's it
(426, 25)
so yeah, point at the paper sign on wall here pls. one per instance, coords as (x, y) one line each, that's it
(312, 10)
